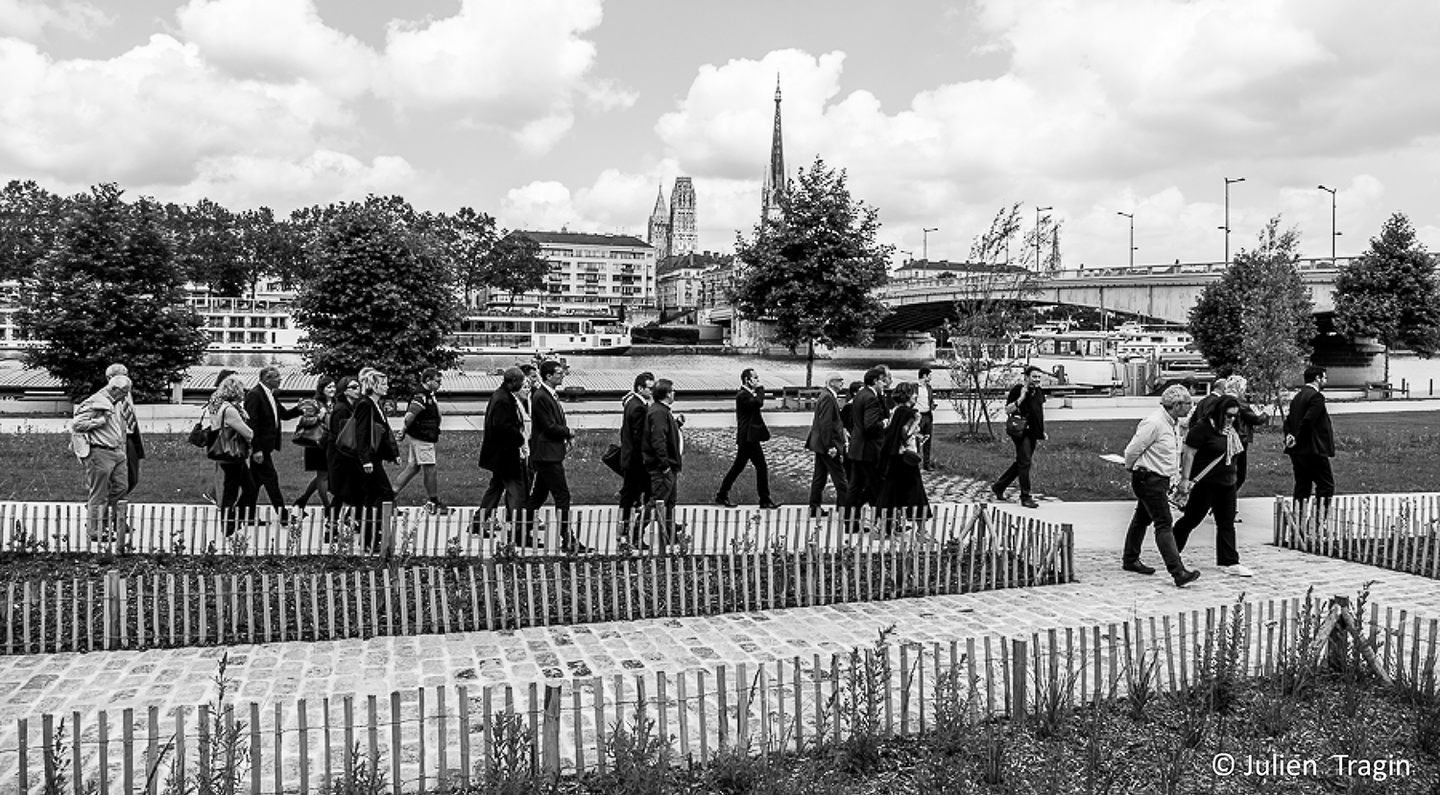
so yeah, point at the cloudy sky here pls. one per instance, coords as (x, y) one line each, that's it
(572, 112)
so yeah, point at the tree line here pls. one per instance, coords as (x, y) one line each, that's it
(104, 279)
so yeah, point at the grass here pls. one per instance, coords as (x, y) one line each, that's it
(1375, 453)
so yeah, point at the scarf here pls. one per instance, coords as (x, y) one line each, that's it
(1233, 445)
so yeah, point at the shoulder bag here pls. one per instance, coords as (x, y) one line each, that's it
(1016, 424)
(309, 429)
(228, 446)
(345, 441)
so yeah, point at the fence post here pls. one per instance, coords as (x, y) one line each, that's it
(1018, 699)
(550, 732)
(112, 609)
(387, 528)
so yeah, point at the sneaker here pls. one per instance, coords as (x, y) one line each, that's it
(1185, 578)
(1237, 570)
(1138, 568)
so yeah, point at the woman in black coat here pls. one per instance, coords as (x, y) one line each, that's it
(377, 442)
(902, 490)
(346, 476)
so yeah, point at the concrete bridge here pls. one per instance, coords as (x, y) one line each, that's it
(1165, 292)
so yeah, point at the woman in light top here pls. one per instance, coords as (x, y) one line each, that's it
(238, 493)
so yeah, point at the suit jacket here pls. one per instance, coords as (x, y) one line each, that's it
(369, 420)
(660, 447)
(504, 435)
(632, 428)
(263, 421)
(867, 426)
(547, 440)
(137, 443)
(826, 430)
(1309, 422)
(749, 425)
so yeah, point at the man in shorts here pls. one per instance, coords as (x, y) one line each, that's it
(422, 429)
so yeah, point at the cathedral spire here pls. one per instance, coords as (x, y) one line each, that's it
(774, 184)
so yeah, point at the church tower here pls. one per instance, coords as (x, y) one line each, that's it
(682, 218)
(659, 235)
(774, 184)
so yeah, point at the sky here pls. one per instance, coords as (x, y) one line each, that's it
(572, 113)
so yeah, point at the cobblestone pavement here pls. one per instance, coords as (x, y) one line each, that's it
(787, 457)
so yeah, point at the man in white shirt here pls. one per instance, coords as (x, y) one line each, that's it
(1153, 458)
(97, 435)
(925, 407)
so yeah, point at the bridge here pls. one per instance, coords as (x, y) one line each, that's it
(1164, 292)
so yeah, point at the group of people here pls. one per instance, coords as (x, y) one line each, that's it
(1202, 465)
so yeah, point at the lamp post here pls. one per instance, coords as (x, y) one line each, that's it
(925, 242)
(1228, 182)
(1038, 210)
(1333, 234)
(1131, 216)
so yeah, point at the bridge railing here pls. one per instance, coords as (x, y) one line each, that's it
(1002, 280)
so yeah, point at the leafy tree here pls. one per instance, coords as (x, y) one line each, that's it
(514, 265)
(1267, 281)
(270, 247)
(814, 270)
(467, 238)
(109, 291)
(1391, 292)
(29, 216)
(207, 247)
(382, 294)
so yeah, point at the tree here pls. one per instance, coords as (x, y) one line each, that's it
(992, 310)
(514, 265)
(29, 216)
(467, 237)
(109, 291)
(207, 247)
(815, 269)
(1391, 292)
(1276, 338)
(382, 295)
(268, 247)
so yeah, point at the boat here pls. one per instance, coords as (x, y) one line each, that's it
(1171, 347)
(540, 333)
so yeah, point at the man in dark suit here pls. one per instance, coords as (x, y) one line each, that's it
(635, 490)
(266, 413)
(750, 432)
(867, 435)
(827, 441)
(661, 453)
(502, 452)
(1310, 441)
(550, 440)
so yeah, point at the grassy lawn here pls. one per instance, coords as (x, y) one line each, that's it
(1376, 453)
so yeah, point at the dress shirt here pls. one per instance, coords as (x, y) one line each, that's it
(274, 410)
(922, 398)
(111, 432)
(1156, 445)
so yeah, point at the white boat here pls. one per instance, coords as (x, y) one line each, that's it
(1172, 348)
(538, 332)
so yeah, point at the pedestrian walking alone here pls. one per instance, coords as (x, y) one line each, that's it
(750, 434)
(1026, 401)
(1310, 443)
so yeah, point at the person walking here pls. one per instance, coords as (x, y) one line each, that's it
(1207, 465)
(266, 413)
(504, 453)
(1310, 443)
(827, 441)
(867, 436)
(550, 442)
(375, 444)
(635, 488)
(315, 413)
(1153, 459)
(750, 434)
(134, 443)
(1027, 400)
(902, 492)
(346, 478)
(97, 437)
(662, 451)
(1245, 424)
(239, 489)
(925, 407)
(422, 435)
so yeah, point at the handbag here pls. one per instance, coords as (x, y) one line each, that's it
(611, 459)
(228, 447)
(345, 441)
(309, 431)
(200, 436)
(1016, 425)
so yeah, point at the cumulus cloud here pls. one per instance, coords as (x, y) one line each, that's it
(29, 19)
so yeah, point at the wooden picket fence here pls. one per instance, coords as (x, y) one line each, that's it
(969, 548)
(1394, 531)
(426, 739)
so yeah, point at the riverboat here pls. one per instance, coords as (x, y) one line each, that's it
(541, 333)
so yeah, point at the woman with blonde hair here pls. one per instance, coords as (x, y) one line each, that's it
(376, 443)
(239, 491)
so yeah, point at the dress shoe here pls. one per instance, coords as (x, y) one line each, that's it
(769, 506)
(723, 500)
(575, 548)
(1029, 503)
(998, 492)
(816, 512)
(1138, 568)
(1186, 577)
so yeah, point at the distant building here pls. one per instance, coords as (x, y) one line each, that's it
(592, 271)
(679, 289)
(774, 185)
(672, 230)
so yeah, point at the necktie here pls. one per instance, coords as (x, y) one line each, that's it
(127, 415)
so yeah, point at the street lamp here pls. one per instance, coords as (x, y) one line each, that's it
(1333, 234)
(1228, 182)
(925, 242)
(1038, 210)
(1131, 216)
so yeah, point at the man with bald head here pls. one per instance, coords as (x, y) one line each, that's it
(97, 435)
(827, 441)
